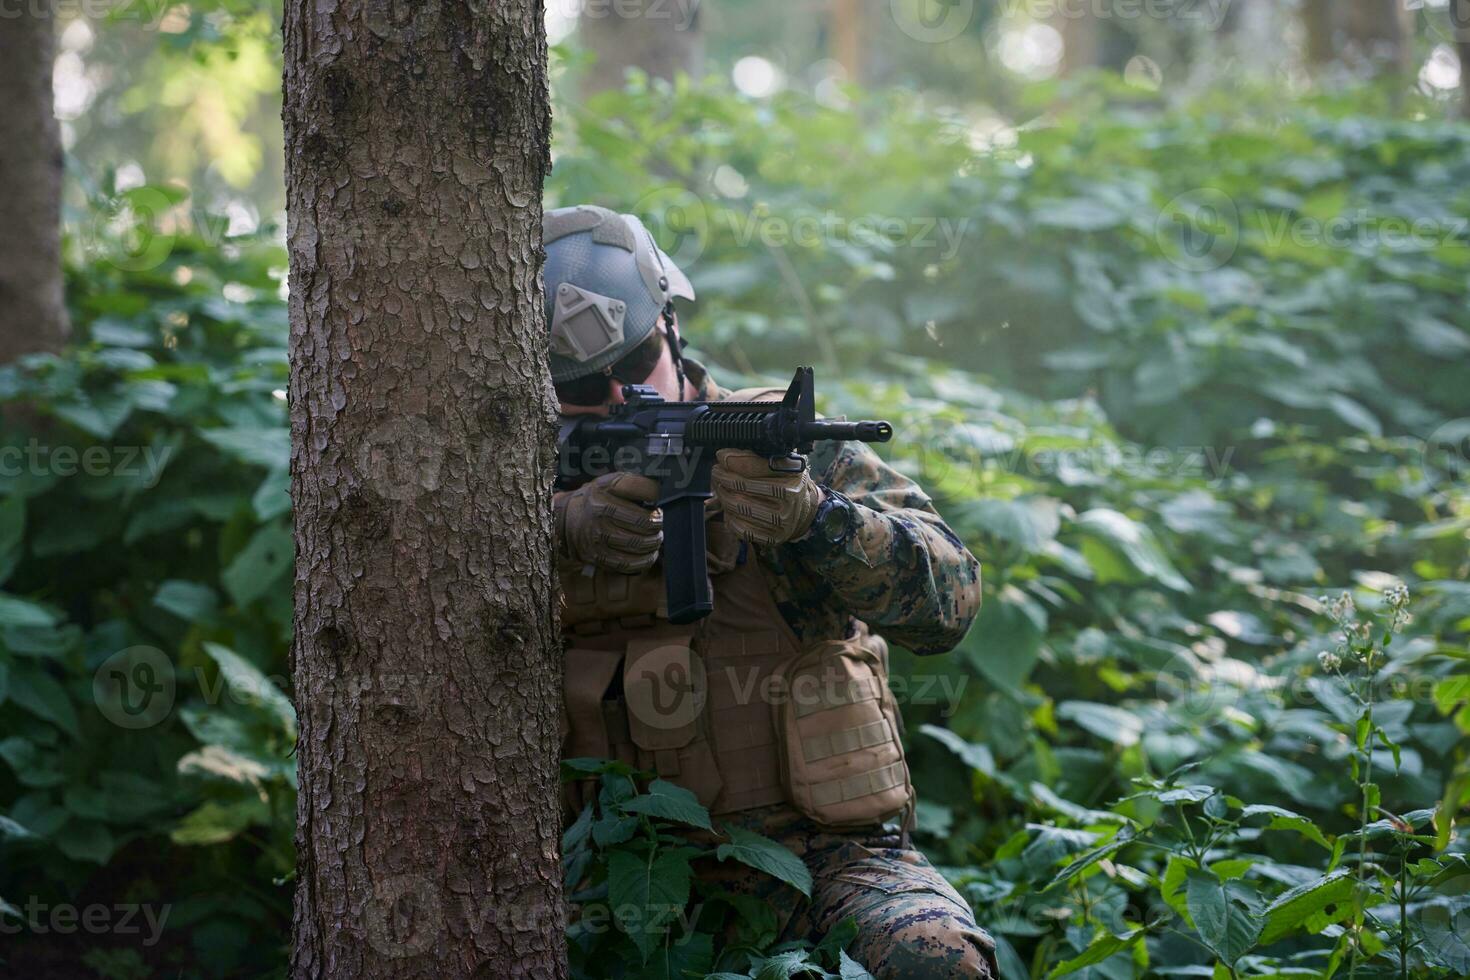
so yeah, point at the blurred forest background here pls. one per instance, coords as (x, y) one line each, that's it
(1166, 298)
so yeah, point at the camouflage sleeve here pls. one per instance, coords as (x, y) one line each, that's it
(902, 570)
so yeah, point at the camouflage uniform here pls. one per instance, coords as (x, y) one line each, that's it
(908, 576)
(904, 572)
(912, 924)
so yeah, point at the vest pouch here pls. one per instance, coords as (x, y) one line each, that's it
(842, 763)
(588, 676)
(665, 690)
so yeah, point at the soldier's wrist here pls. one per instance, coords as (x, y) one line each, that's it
(832, 527)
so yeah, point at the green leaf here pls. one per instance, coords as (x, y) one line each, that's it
(1446, 936)
(1290, 911)
(614, 828)
(973, 754)
(1052, 844)
(1287, 820)
(33, 689)
(1132, 541)
(1076, 214)
(766, 855)
(1108, 722)
(42, 641)
(82, 840)
(850, 969)
(249, 684)
(838, 938)
(258, 566)
(9, 828)
(267, 447)
(1005, 643)
(273, 497)
(216, 821)
(1193, 793)
(682, 957)
(1084, 861)
(786, 965)
(12, 533)
(1029, 523)
(15, 611)
(670, 802)
(648, 893)
(1103, 946)
(192, 602)
(1224, 926)
(1171, 886)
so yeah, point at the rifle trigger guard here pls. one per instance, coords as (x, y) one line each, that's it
(788, 463)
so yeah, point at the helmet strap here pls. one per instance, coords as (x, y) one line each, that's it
(675, 347)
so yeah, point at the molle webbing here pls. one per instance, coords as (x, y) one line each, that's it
(814, 727)
(738, 666)
(818, 747)
(836, 791)
(854, 691)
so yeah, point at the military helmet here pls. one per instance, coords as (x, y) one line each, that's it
(606, 282)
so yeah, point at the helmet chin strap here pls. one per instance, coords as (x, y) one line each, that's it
(673, 343)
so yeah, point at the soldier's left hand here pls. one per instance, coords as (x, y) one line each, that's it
(762, 504)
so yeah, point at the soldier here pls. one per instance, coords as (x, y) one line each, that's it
(802, 564)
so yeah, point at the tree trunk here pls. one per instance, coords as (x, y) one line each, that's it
(1372, 37)
(1378, 35)
(1317, 20)
(1092, 38)
(1463, 47)
(662, 37)
(32, 308)
(426, 655)
(1081, 39)
(845, 31)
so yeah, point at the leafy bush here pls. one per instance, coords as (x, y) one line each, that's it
(146, 613)
(1167, 433)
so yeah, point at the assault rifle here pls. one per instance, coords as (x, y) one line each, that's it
(675, 443)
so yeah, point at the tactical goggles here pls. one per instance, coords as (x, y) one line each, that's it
(633, 368)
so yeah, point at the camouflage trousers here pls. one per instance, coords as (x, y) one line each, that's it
(912, 924)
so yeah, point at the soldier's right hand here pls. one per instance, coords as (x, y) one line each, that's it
(609, 523)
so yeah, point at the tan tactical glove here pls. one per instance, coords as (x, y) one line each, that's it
(603, 523)
(763, 505)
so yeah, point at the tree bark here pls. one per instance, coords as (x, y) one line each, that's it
(845, 31)
(1373, 37)
(1378, 35)
(1317, 20)
(426, 658)
(32, 307)
(662, 37)
(1092, 38)
(1463, 47)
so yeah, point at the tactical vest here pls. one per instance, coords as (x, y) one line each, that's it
(733, 708)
